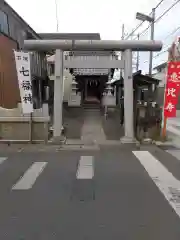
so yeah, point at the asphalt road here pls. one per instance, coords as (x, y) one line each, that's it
(86, 195)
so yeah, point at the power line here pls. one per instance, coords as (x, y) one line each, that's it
(140, 24)
(159, 4)
(165, 50)
(135, 29)
(158, 54)
(160, 17)
(167, 45)
(174, 4)
(171, 34)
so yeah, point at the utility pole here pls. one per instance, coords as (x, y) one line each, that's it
(122, 38)
(57, 22)
(120, 91)
(122, 35)
(151, 19)
(137, 60)
(152, 38)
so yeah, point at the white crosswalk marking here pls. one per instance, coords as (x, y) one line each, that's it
(85, 168)
(28, 179)
(2, 159)
(174, 153)
(164, 180)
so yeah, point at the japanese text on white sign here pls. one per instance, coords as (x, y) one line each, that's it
(24, 79)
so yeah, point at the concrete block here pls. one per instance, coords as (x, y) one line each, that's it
(14, 125)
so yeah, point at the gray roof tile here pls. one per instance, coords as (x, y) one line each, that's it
(71, 36)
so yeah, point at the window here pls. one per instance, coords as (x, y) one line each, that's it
(4, 26)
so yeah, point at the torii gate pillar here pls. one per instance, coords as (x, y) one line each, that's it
(128, 99)
(58, 96)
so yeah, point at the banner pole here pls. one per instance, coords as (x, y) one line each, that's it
(164, 128)
(30, 128)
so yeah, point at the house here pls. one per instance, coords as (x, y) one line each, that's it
(90, 82)
(13, 31)
(145, 88)
(160, 73)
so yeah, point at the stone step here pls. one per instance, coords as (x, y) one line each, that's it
(91, 106)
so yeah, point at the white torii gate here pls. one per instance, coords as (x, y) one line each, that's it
(127, 46)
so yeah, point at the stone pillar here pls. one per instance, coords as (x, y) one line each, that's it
(58, 96)
(128, 99)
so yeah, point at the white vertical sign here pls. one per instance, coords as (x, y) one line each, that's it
(24, 79)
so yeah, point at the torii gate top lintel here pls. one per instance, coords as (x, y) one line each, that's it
(92, 45)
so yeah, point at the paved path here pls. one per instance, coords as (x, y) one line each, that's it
(84, 123)
(92, 130)
(173, 130)
(112, 193)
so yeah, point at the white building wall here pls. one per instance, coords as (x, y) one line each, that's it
(161, 76)
(67, 85)
(90, 71)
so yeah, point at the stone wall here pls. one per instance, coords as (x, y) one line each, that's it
(16, 126)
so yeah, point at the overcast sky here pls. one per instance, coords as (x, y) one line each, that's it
(105, 17)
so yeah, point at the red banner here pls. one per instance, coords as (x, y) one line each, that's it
(173, 73)
(172, 89)
(169, 109)
(171, 92)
